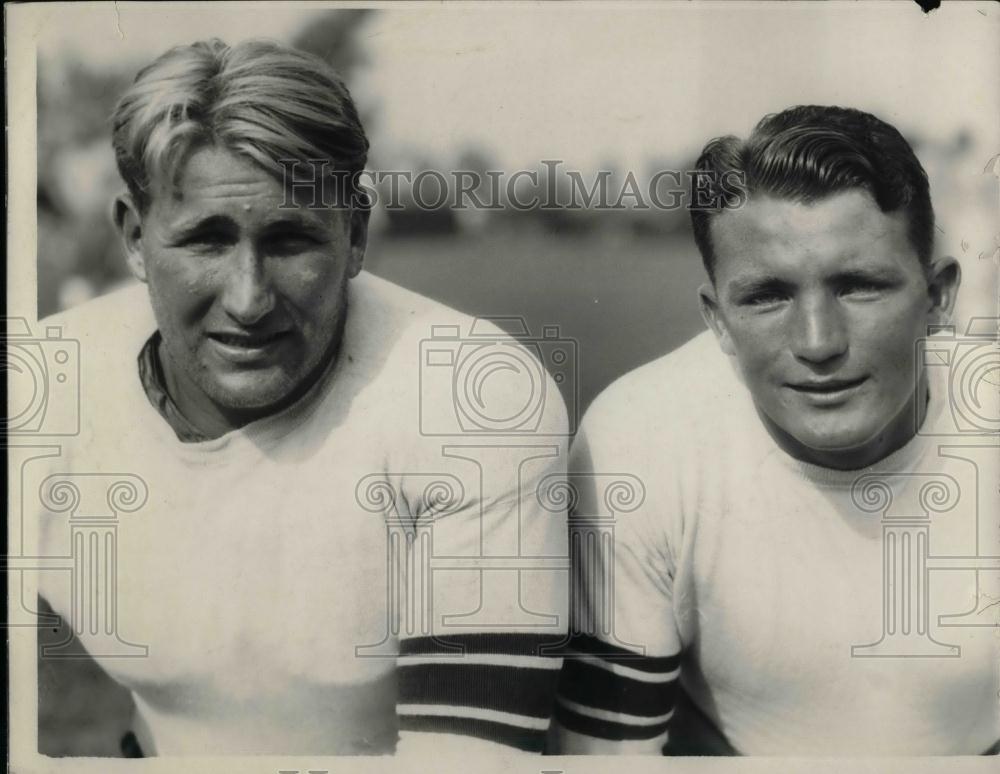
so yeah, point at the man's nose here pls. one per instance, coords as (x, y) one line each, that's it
(819, 332)
(247, 296)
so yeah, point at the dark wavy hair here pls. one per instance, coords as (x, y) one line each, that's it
(809, 152)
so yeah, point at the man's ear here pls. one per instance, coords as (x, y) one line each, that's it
(128, 223)
(944, 276)
(710, 313)
(359, 238)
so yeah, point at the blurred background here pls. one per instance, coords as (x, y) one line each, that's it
(627, 90)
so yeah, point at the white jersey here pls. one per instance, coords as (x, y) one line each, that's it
(314, 582)
(805, 611)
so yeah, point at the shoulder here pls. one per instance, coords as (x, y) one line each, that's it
(385, 324)
(118, 322)
(378, 308)
(93, 349)
(682, 392)
(461, 374)
(381, 314)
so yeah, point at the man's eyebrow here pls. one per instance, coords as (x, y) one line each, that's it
(743, 286)
(293, 219)
(867, 274)
(198, 223)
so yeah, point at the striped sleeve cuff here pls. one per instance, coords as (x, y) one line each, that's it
(499, 687)
(608, 692)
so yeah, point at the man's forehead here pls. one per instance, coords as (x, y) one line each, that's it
(769, 215)
(844, 222)
(217, 177)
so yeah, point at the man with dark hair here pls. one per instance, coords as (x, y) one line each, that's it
(262, 397)
(756, 576)
(809, 152)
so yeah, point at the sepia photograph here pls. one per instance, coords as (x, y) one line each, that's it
(450, 384)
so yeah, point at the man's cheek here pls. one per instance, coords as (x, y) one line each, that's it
(896, 353)
(314, 287)
(760, 369)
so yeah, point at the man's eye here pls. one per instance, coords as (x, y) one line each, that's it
(763, 299)
(290, 242)
(862, 288)
(207, 242)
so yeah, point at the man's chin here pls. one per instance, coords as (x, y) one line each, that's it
(250, 394)
(839, 443)
(839, 447)
(834, 442)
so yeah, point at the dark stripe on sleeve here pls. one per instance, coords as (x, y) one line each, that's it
(592, 686)
(614, 654)
(130, 746)
(605, 729)
(509, 643)
(506, 689)
(525, 739)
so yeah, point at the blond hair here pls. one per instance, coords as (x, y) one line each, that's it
(257, 98)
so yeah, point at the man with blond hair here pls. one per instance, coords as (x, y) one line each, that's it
(269, 395)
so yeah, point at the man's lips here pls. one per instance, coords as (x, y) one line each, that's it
(827, 393)
(826, 386)
(246, 340)
(247, 347)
